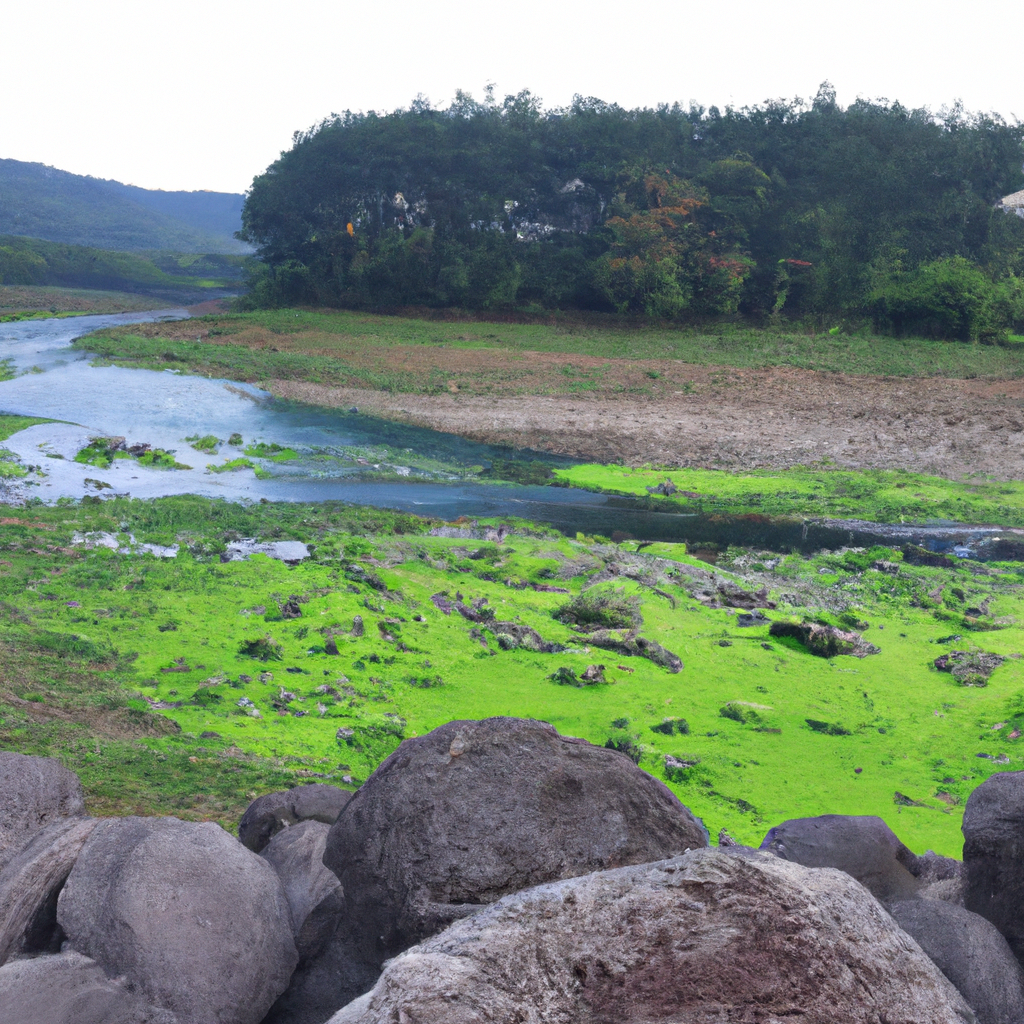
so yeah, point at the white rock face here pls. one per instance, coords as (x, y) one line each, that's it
(704, 938)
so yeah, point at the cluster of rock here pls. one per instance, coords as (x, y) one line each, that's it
(496, 871)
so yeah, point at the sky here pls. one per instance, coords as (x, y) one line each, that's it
(204, 94)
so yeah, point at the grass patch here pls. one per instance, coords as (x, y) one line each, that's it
(879, 495)
(409, 354)
(107, 656)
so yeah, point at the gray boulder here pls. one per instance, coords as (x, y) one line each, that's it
(700, 939)
(34, 791)
(314, 894)
(70, 989)
(864, 847)
(195, 922)
(993, 828)
(970, 952)
(30, 884)
(463, 816)
(267, 815)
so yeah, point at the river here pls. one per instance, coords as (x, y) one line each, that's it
(326, 454)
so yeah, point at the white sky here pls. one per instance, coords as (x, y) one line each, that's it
(205, 93)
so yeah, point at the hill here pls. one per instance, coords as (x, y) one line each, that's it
(43, 202)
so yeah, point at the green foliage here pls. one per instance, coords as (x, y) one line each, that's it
(601, 608)
(32, 261)
(207, 443)
(786, 209)
(98, 452)
(262, 648)
(73, 209)
(949, 298)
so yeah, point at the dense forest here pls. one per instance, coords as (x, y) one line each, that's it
(810, 211)
(33, 261)
(42, 202)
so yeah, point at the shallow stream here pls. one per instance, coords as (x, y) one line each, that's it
(320, 454)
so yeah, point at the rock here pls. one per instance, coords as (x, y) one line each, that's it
(699, 939)
(633, 646)
(35, 791)
(193, 920)
(969, 668)
(970, 952)
(933, 867)
(914, 554)
(824, 641)
(291, 609)
(465, 815)
(77, 991)
(330, 645)
(864, 847)
(267, 815)
(993, 828)
(729, 595)
(357, 626)
(313, 891)
(754, 618)
(30, 884)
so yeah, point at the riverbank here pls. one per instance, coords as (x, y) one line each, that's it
(732, 399)
(23, 302)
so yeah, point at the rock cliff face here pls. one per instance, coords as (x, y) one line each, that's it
(700, 938)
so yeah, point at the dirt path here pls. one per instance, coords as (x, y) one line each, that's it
(776, 417)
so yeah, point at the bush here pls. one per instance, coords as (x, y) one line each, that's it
(262, 648)
(601, 608)
(947, 299)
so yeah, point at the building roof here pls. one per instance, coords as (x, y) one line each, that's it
(1014, 201)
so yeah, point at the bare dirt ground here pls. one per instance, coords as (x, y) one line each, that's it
(772, 418)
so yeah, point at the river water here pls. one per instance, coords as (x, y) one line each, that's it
(328, 454)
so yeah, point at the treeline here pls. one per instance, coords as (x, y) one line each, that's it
(807, 211)
(32, 261)
(43, 202)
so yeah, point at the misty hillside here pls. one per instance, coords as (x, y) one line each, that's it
(58, 206)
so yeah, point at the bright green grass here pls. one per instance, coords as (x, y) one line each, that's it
(914, 731)
(721, 345)
(879, 495)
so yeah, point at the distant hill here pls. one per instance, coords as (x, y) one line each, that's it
(43, 202)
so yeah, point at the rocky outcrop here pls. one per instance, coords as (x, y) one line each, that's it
(193, 920)
(267, 815)
(822, 640)
(314, 894)
(970, 952)
(465, 815)
(70, 989)
(631, 645)
(864, 847)
(34, 791)
(31, 883)
(993, 828)
(698, 939)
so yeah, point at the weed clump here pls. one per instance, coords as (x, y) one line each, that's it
(601, 608)
(826, 728)
(672, 727)
(262, 648)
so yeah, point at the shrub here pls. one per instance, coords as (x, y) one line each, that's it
(601, 608)
(262, 648)
(948, 299)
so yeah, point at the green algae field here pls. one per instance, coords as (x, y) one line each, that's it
(188, 684)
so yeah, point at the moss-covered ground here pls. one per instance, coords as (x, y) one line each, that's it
(878, 495)
(148, 677)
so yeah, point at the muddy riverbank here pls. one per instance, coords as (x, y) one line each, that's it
(745, 418)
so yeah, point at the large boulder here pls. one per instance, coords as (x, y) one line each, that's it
(864, 847)
(463, 816)
(699, 939)
(30, 884)
(34, 791)
(970, 952)
(993, 828)
(70, 989)
(314, 894)
(267, 815)
(192, 919)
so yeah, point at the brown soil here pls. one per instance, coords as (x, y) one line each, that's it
(775, 417)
